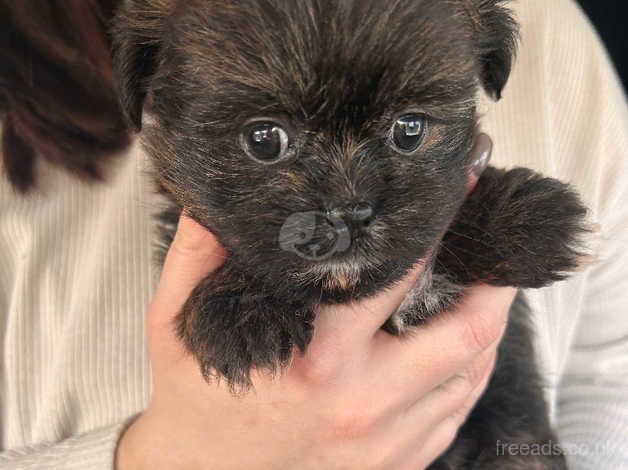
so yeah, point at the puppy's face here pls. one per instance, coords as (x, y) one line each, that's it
(321, 139)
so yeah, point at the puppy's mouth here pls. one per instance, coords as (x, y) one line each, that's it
(338, 256)
(323, 239)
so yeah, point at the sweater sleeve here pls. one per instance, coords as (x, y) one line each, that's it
(75, 278)
(592, 414)
(94, 450)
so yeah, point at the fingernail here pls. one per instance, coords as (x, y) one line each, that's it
(481, 154)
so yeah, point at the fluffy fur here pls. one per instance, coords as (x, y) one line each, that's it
(336, 75)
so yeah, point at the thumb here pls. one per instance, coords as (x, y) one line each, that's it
(193, 254)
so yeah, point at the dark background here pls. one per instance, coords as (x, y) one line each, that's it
(610, 17)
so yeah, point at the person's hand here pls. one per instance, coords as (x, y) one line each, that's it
(359, 398)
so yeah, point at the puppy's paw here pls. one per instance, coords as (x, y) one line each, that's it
(232, 330)
(517, 228)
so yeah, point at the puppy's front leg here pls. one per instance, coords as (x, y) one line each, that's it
(233, 324)
(517, 228)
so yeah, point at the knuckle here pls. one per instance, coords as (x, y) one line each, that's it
(457, 390)
(476, 371)
(480, 332)
(468, 392)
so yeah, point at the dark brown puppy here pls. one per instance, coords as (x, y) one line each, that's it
(326, 144)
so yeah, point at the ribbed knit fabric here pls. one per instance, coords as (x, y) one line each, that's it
(76, 271)
(75, 278)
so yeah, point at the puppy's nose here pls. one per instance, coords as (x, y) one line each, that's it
(362, 213)
(357, 215)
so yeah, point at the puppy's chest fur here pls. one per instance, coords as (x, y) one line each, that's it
(432, 294)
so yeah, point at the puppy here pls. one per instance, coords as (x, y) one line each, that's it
(326, 144)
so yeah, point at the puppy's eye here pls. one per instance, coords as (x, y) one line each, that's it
(407, 133)
(265, 141)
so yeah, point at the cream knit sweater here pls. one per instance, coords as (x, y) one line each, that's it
(76, 271)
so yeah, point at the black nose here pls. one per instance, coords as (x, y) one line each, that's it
(358, 215)
(362, 213)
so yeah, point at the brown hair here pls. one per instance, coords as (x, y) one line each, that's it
(57, 91)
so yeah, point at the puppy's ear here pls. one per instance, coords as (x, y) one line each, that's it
(497, 36)
(137, 34)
